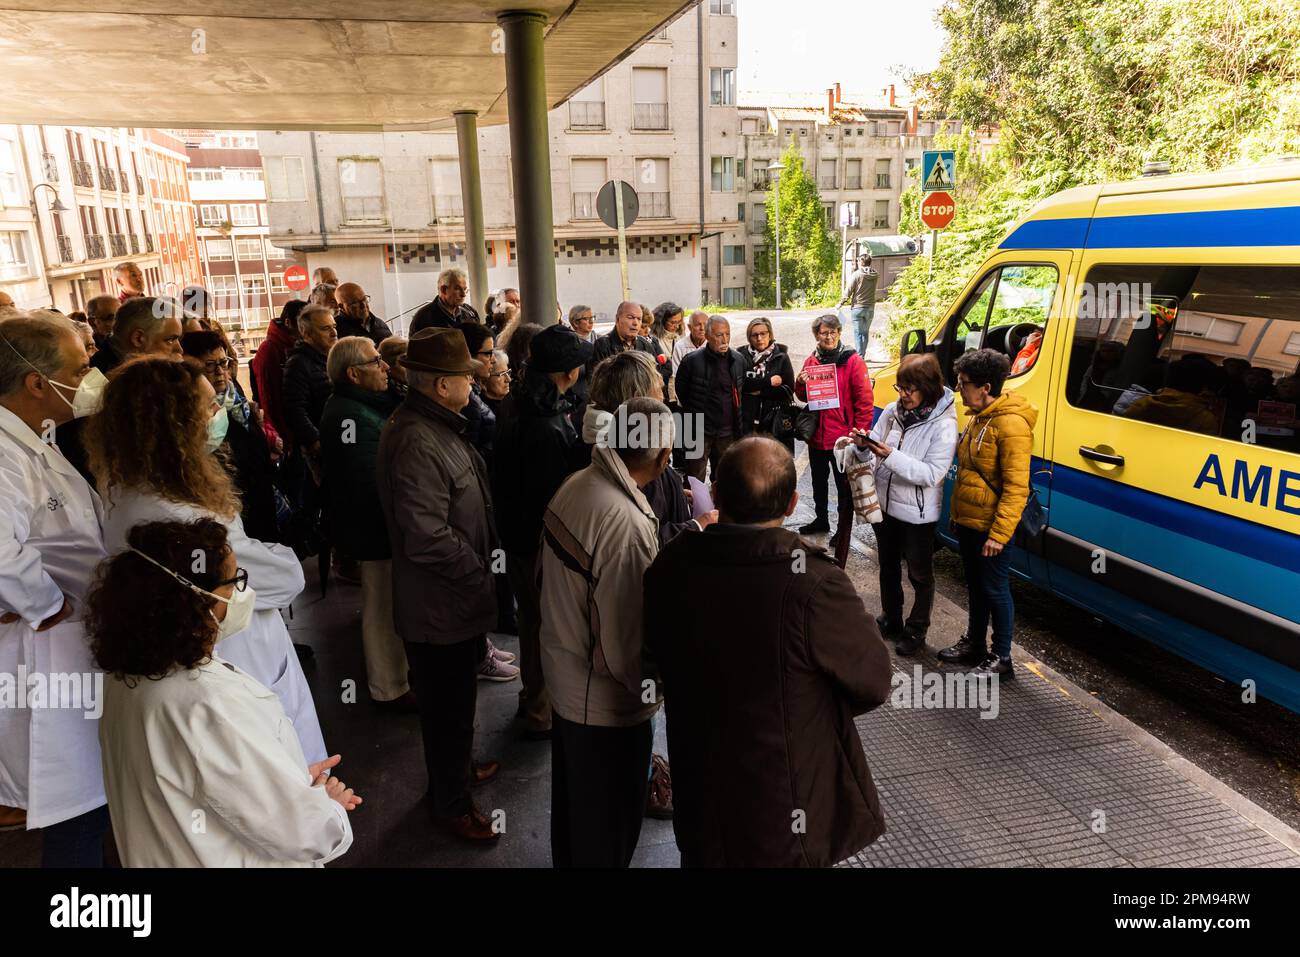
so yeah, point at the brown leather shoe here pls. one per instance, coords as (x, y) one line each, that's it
(482, 773)
(474, 827)
(12, 818)
(659, 801)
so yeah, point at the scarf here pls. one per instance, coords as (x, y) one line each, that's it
(759, 360)
(236, 405)
(910, 417)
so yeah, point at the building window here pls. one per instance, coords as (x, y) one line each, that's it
(704, 261)
(446, 201)
(740, 169)
(722, 8)
(219, 250)
(276, 252)
(882, 174)
(13, 256)
(243, 214)
(248, 248)
(587, 107)
(758, 221)
(237, 141)
(253, 285)
(587, 176)
(723, 174)
(10, 194)
(826, 174)
(733, 296)
(652, 188)
(649, 98)
(733, 255)
(722, 87)
(855, 213)
(853, 174)
(277, 282)
(285, 180)
(212, 215)
(891, 128)
(880, 217)
(225, 293)
(361, 189)
(803, 131)
(828, 214)
(740, 212)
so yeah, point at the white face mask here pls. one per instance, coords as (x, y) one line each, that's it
(239, 606)
(87, 397)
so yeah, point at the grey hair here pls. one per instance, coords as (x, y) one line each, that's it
(146, 313)
(576, 311)
(641, 428)
(500, 361)
(447, 275)
(392, 348)
(714, 320)
(35, 336)
(829, 319)
(306, 315)
(422, 380)
(621, 377)
(344, 354)
(322, 295)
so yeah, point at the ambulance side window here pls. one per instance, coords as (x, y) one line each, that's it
(1208, 349)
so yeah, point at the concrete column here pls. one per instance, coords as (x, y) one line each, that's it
(471, 194)
(530, 153)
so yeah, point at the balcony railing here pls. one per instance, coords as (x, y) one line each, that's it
(50, 167)
(757, 227)
(448, 207)
(649, 116)
(586, 115)
(139, 184)
(65, 248)
(107, 178)
(853, 182)
(81, 174)
(95, 247)
(825, 182)
(880, 222)
(148, 243)
(584, 205)
(126, 182)
(882, 181)
(655, 205)
(359, 209)
(117, 241)
(135, 244)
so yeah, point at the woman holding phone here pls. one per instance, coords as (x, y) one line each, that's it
(913, 443)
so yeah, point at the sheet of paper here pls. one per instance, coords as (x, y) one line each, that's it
(701, 500)
(823, 388)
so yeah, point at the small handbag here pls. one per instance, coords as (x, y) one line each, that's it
(806, 421)
(1032, 517)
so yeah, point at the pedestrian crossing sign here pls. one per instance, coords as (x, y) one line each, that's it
(938, 170)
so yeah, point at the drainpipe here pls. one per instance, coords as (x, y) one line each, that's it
(700, 91)
(320, 202)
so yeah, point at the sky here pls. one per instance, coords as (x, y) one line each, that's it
(807, 45)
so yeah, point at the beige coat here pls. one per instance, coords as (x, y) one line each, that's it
(600, 536)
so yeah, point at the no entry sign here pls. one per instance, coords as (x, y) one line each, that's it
(295, 277)
(937, 210)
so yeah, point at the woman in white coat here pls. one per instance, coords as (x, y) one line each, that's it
(151, 450)
(201, 766)
(912, 442)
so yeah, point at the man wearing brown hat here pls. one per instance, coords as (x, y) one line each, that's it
(433, 487)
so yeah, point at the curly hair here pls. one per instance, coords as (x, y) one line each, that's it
(151, 434)
(141, 622)
(662, 313)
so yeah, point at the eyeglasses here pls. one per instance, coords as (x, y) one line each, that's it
(905, 389)
(213, 365)
(364, 300)
(487, 353)
(499, 375)
(369, 362)
(240, 581)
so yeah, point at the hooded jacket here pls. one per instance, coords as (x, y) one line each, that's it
(601, 536)
(762, 694)
(993, 465)
(855, 407)
(267, 366)
(306, 387)
(909, 481)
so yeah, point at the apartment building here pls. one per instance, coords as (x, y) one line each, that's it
(386, 209)
(242, 269)
(77, 201)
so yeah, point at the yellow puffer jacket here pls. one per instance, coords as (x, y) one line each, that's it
(997, 444)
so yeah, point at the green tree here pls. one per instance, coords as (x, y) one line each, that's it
(810, 254)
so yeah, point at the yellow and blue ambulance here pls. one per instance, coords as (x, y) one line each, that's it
(1156, 326)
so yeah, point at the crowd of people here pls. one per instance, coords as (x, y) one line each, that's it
(482, 476)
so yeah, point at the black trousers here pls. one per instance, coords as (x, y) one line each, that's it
(598, 792)
(445, 681)
(821, 461)
(897, 542)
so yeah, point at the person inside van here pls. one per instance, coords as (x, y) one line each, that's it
(1180, 404)
(1103, 381)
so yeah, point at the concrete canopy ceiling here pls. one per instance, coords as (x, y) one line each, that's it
(291, 64)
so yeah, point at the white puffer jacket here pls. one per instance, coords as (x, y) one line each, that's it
(910, 481)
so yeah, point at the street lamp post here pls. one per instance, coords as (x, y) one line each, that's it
(775, 170)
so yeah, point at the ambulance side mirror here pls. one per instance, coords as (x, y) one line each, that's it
(913, 342)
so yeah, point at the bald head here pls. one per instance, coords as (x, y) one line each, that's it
(627, 320)
(756, 483)
(6, 300)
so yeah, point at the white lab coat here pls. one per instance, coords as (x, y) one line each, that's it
(263, 649)
(50, 544)
(204, 769)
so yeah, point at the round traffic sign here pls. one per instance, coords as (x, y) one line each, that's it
(606, 209)
(938, 209)
(295, 277)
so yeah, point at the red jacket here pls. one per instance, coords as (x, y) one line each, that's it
(855, 399)
(268, 367)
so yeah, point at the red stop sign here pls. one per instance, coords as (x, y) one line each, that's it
(938, 209)
(295, 277)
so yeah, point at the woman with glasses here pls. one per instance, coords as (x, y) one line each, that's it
(768, 386)
(150, 448)
(851, 409)
(187, 736)
(247, 449)
(912, 444)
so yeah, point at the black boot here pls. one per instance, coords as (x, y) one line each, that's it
(910, 643)
(890, 629)
(993, 665)
(817, 526)
(964, 652)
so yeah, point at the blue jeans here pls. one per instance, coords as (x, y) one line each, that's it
(862, 316)
(988, 589)
(77, 842)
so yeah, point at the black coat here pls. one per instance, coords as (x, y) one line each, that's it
(435, 315)
(306, 387)
(481, 427)
(610, 344)
(536, 449)
(760, 401)
(695, 387)
(250, 465)
(374, 328)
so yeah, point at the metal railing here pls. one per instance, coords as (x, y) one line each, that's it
(50, 167)
(447, 207)
(107, 178)
(655, 205)
(139, 184)
(81, 174)
(757, 227)
(649, 116)
(135, 244)
(853, 182)
(148, 243)
(588, 115)
(584, 205)
(95, 247)
(65, 248)
(362, 209)
(882, 181)
(825, 182)
(117, 241)
(880, 222)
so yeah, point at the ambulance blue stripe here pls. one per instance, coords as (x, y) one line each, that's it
(1268, 226)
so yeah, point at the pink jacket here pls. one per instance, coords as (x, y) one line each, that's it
(855, 400)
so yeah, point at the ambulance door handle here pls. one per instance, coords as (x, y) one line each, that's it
(1090, 453)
